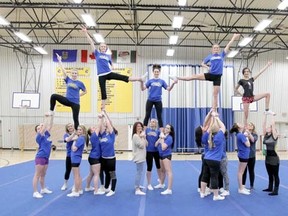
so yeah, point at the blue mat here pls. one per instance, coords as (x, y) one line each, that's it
(16, 193)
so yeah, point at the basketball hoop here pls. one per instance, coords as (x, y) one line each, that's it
(23, 108)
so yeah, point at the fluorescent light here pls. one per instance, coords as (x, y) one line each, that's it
(262, 25)
(23, 36)
(177, 22)
(170, 52)
(232, 53)
(99, 38)
(77, 1)
(287, 57)
(88, 19)
(245, 41)
(173, 39)
(3, 21)
(41, 50)
(283, 5)
(181, 2)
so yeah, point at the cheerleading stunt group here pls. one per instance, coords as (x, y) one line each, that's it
(151, 139)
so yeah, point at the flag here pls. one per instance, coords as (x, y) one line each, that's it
(67, 55)
(87, 57)
(124, 56)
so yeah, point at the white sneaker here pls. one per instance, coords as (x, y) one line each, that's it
(149, 187)
(198, 190)
(160, 186)
(246, 189)
(99, 192)
(143, 78)
(73, 194)
(50, 113)
(243, 191)
(101, 189)
(221, 190)
(111, 193)
(139, 192)
(37, 195)
(174, 78)
(89, 189)
(141, 187)
(225, 193)
(202, 195)
(167, 192)
(45, 191)
(269, 112)
(81, 192)
(64, 187)
(207, 191)
(216, 198)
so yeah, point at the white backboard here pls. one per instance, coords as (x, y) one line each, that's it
(28, 100)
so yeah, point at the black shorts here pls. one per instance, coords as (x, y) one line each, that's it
(216, 79)
(169, 157)
(243, 160)
(75, 164)
(93, 161)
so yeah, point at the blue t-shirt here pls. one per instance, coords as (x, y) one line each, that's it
(95, 142)
(168, 151)
(155, 89)
(103, 62)
(107, 141)
(73, 88)
(44, 143)
(216, 152)
(151, 137)
(76, 156)
(68, 145)
(243, 150)
(216, 62)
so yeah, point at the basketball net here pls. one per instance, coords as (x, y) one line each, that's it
(23, 109)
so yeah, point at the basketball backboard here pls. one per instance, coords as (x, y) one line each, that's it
(28, 100)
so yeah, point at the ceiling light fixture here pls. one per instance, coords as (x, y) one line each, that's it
(88, 19)
(23, 37)
(3, 21)
(232, 53)
(41, 50)
(99, 38)
(283, 5)
(245, 41)
(173, 39)
(170, 52)
(263, 24)
(181, 2)
(77, 1)
(177, 22)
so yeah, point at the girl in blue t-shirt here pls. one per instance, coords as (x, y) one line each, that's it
(105, 68)
(243, 146)
(214, 64)
(72, 98)
(165, 146)
(155, 86)
(42, 157)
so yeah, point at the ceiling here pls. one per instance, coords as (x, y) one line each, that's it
(139, 21)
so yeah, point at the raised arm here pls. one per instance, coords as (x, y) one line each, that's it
(89, 39)
(264, 125)
(220, 124)
(274, 131)
(64, 72)
(207, 120)
(48, 122)
(108, 122)
(235, 36)
(263, 69)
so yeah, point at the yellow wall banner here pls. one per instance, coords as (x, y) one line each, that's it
(119, 94)
(60, 88)
(82, 71)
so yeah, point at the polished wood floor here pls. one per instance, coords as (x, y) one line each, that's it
(9, 157)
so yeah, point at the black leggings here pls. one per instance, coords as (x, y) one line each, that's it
(211, 169)
(250, 166)
(158, 106)
(273, 173)
(110, 76)
(64, 101)
(68, 168)
(149, 160)
(109, 168)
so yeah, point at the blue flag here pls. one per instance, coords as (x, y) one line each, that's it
(67, 55)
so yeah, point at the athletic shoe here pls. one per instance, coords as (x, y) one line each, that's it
(202, 195)
(167, 192)
(216, 198)
(174, 78)
(50, 113)
(64, 187)
(89, 189)
(143, 78)
(73, 194)
(139, 192)
(160, 186)
(225, 193)
(99, 192)
(37, 195)
(111, 193)
(246, 189)
(207, 191)
(198, 190)
(243, 191)
(269, 112)
(149, 187)
(101, 189)
(81, 192)
(45, 191)
(141, 187)
(221, 190)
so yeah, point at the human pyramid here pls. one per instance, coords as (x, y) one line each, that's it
(153, 142)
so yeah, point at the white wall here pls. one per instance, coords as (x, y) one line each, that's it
(273, 81)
